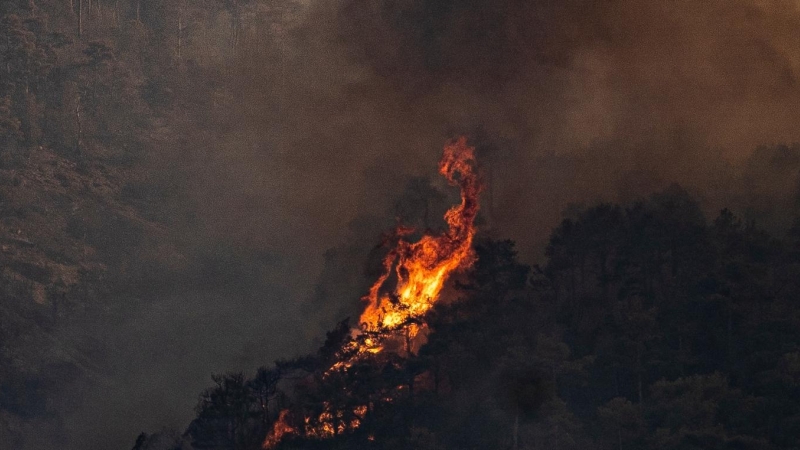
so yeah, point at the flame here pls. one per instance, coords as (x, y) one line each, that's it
(324, 426)
(280, 428)
(421, 269)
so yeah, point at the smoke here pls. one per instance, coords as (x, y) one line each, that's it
(278, 203)
(568, 102)
(606, 100)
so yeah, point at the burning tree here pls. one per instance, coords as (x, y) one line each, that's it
(393, 322)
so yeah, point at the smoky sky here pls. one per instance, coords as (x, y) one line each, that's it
(569, 102)
(334, 111)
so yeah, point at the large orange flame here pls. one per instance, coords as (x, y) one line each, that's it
(421, 268)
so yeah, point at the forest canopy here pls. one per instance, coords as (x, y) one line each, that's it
(647, 327)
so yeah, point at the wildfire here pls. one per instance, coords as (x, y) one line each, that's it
(420, 270)
(280, 429)
(422, 267)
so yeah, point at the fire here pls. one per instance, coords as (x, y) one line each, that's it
(323, 427)
(423, 267)
(279, 430)
(420, 270)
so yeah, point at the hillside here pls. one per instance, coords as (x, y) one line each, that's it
(648, 327)
(96, 220)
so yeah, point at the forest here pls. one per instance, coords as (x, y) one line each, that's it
(648, 327)
(102, 114)
(191, 187)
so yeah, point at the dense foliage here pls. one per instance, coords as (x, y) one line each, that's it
(646, 328)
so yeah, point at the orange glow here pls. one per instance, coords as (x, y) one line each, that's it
(279, 429)
(423, 267)
(420, 270)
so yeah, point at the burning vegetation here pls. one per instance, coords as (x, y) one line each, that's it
(648, 327)
(165, 179)
(421, 268)
(413, 276)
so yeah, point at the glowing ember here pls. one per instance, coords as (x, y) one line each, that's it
(279, 429)
(421, 268)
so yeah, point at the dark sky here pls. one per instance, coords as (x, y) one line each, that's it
(568, 101)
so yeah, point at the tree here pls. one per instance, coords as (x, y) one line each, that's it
(225, 414)
(264, 387)
(622, 424)
(27, 59)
